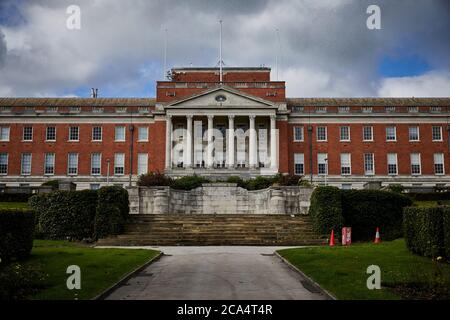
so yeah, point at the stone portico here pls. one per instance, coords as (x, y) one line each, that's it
(221, 132)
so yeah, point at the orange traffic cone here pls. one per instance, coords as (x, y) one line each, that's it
(377, 236)
(332, 239)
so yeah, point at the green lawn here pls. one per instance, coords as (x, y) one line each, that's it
(342, 270)
(14, 205)
(100, 268)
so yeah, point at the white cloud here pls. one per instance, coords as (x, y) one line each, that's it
(432, 84)
(326, 47)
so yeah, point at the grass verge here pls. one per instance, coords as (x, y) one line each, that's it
(342, 271)
(14, 205)
(100, 268)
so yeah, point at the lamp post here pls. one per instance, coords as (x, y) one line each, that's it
(108, 161)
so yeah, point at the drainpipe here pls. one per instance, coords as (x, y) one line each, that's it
(310, 129)
(131, 149)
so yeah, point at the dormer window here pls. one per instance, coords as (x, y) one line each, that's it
(121, 109)
(298, 109)
(367, 109)
(435, 109)
(390, 109)
(74, 109)
(413, 109)
(343, 109)
(97, 110)
(4, 109)
(52, 109)
(321, 109)
(143, 110)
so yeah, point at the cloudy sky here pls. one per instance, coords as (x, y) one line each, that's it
(325, 47)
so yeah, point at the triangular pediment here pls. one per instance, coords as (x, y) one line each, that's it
(222, 97)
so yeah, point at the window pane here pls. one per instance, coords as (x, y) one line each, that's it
(26, 164)
(143, 134)
(96, 163)
(3, 163)
(51, 134)
(72, 164)
(28, 133)
(368, 133)
(368, 164)
(120, 134)
(119, 163)
(142, 163)
(97, 133)
(73, 133)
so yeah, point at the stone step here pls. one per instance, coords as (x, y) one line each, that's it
(225, 229)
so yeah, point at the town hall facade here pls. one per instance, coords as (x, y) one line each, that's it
(239, 123)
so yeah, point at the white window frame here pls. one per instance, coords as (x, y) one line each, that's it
(326, 133)
(371, 133)
(92, 164)
(6, 163)
(51, 165)
(340, 134)
(301, 130)
(46, 134)
(93, 134)
(23, 134)
(346, 165)
(117, 163)
(441, 155)
(124, 128)
(440, 133)
(146, 134)
(325, 163)
(7, 131)
(409, 134)
(22, 172)
(367, 172)
(299, 159)
(68, 164)
(396, 164)
(77, 131)
(141, 165)
(414, 163)
(395, 134)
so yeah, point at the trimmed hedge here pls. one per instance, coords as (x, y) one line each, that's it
(326, 210)
(16, 234)
(68, 214)
(429, 196)
(188, 182)
(362, 210)
(111, 212)
(446, 222)
(424, 230)
(365, 210)
(15, 197)
(78, 215)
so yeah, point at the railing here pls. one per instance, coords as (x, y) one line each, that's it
(240, 84)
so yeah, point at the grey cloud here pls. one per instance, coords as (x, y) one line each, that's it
(3, 49)
(120, 45)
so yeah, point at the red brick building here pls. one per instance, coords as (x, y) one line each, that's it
(243, 125)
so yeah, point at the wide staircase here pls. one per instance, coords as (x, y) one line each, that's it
(225, 229)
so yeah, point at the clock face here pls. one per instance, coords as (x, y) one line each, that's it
(221, 98)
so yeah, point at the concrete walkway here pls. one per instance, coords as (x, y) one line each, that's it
(200, 273)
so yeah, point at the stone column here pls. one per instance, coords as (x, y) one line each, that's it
(230, 147)
(209, 156)
(168, 142)
(273, 143)
(188, 153)
(252, 143)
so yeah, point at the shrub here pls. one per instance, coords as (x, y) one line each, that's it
(15, 197)
(429, 196)
(365, 210)
(236, 179)
(39, 203)
(51, 183)
(397, 188)
(258, 183)
(19, 282)
(16, 234)
(154, 179)
(111, 212)
(446, 227)
(188, 182)
(288, 180)
(424, 230)
(326, 210)
(69, 214)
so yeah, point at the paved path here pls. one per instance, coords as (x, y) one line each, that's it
(193, 273)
